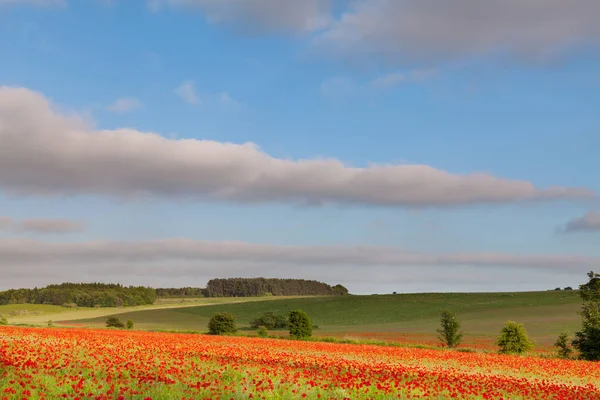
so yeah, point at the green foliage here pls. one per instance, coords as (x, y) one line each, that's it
(250, 287)
(270, 321)
(262, 332)
(449, 333)
(222, 324)
(3, 320)
(587, 341)
(513, 339)
(50, 323)
(564, 349)
(300, 325)
(114, 322)
(81, 295)
(129, 324)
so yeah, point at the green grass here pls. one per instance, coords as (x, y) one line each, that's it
(545, 314)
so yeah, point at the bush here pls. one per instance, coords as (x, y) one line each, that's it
(300, 325)
(129, 324)
(3, 320)
(69, 305)
(449, 333)
(262, 332)
(114, 322)
(587, 341)
(222, 324)
(270, 321)
(564, 350)
(513, 339)
(50, 323)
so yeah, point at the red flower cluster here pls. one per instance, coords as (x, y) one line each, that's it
(107, 364)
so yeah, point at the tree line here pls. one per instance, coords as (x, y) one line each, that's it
(116, 295)
(82, 295)
(250, 287)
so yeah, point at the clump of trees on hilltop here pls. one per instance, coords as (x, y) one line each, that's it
(249, 287)
(82, 295)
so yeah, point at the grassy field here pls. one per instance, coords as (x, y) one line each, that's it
(39, 314)
(545, 314)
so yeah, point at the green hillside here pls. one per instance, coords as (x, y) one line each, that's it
(545, 314)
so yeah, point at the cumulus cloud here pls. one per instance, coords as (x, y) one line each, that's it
(44, 152)
(34, 252)
(259, 15)
(125, 104)
(41, 225)
(590, 222)
(187, 91)
(432, 30)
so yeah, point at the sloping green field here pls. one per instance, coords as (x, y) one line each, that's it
(545, 314)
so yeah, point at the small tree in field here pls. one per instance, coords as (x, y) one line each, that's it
(222, 324)
(300, 325)
(449, 333)
(3, 320)
(513, 339)
(129, 324)
(114, 322)
(262, 332)
(564, 350)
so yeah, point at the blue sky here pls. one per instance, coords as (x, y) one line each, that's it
(368, 120)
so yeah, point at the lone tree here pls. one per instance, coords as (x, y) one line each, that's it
(114, 322)
(222, 324)
(449, 333)
(3, 320)
(513, 339)
(300, 325)
(587, 341)
(129, 324)
(564, 350)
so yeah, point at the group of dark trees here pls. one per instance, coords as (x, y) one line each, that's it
(116, 295)
(81, 295)
(298, 322)
(249, 287)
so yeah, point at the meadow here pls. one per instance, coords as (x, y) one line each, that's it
(400, 317)
(51, 363)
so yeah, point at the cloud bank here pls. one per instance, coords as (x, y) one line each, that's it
(33, 252)
(590, 222)
(45, 152)
(43, 225)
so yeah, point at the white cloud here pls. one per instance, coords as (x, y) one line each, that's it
(590, 222)
(187, 91)
(45, 225)
(260, 15)
(125, 104)
(430, 30)
(46, 153)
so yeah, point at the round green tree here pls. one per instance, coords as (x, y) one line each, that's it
(513, 339)
(222, 324)
(300, 324)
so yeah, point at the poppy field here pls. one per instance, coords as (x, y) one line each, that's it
(52, 363)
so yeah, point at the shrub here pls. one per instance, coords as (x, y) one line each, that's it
(69, 305)
(114, 322)
(564, 350)
(587, 341)
(513, 339)
(449, 333)
(300, 325)
(3, 320)
(222, 324)
(129, 324)
(262, 332)
(50, 323)
(270, 321)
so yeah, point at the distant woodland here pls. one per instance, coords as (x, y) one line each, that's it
(116, 295)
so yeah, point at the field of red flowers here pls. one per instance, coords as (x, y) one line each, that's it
(109, 364)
